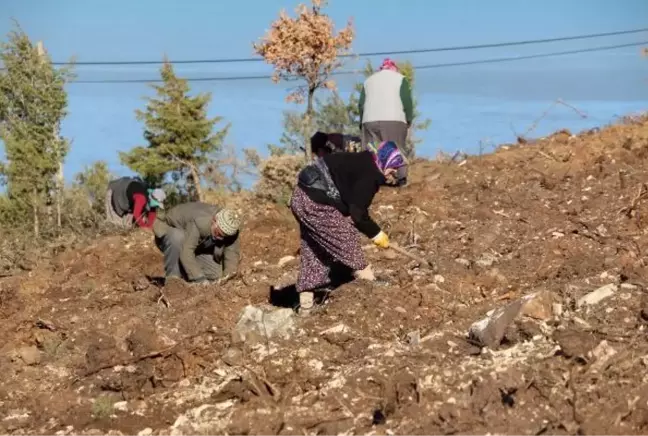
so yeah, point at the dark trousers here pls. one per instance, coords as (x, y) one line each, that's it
(380, 131)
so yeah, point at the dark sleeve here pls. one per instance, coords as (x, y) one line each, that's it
(362, 196)
(406, 98)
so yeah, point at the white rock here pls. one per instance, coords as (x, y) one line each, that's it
(284, 260)
(255, 324)
(438, 278)
(601, 355)
(340, 328)
(122, 406)
(598, 295)
(628, 286)
(462, 261)
(486, 260)
(146, 432)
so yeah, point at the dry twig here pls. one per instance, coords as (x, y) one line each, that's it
(642, 193)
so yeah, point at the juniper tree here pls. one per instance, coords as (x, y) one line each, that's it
(33, 103)
(180, 135)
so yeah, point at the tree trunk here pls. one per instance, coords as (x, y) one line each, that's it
(196, 180)
(35, 212)
(308, 118)
(60, 183)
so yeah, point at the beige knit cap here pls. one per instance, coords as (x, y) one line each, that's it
(228, 221)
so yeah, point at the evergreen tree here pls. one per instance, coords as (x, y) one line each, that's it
(181, 138)
(33, 103)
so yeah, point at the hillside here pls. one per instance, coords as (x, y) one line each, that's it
(93, 344)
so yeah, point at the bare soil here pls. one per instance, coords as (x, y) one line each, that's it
(93, 343)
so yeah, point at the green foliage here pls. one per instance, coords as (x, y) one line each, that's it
(179, 134)
(84, 202)
(93, 182)
(334, 115)
(33, 103)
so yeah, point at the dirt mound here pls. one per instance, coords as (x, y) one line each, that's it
(93, 343)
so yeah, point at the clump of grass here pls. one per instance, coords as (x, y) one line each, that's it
(102, 407)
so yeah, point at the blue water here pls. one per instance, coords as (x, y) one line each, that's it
(467, 107)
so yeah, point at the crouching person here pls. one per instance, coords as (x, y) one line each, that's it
(200, 242)
(131, 202)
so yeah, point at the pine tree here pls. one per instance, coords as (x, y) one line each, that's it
(33, 103)
(180, 136)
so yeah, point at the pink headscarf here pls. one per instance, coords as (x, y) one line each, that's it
(388, 64)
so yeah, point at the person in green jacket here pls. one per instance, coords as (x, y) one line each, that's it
(386, 109)
(200, 242)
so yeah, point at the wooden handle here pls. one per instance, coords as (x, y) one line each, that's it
(404, 252)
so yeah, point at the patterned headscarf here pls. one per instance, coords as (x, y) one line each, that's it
(387, 155)
(388, 64)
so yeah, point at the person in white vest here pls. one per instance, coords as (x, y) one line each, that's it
(386, 108)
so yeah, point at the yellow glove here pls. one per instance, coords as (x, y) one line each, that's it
(381, 240)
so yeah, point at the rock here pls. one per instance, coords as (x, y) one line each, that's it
(389, 254)
(489, 331)
(601, 355)
(486, 260)
(255, 324)
(414, 338)
(340, 328)
(497, 275)
(598, 295)
(629, 286)
(285, 260)
(140, 284)
(462, 261)
(539, 306)
(557, 309)
(400, 309)
(148, 431)
(575, 343)
(121, 406)
(644, 313)
(29, 355)
(438, 278)
(233, 357)
(204, 419)
(145, 339)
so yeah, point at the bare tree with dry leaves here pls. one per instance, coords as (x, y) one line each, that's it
(305, 48)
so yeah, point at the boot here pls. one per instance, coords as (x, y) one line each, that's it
(306, 302)
(365, 274)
